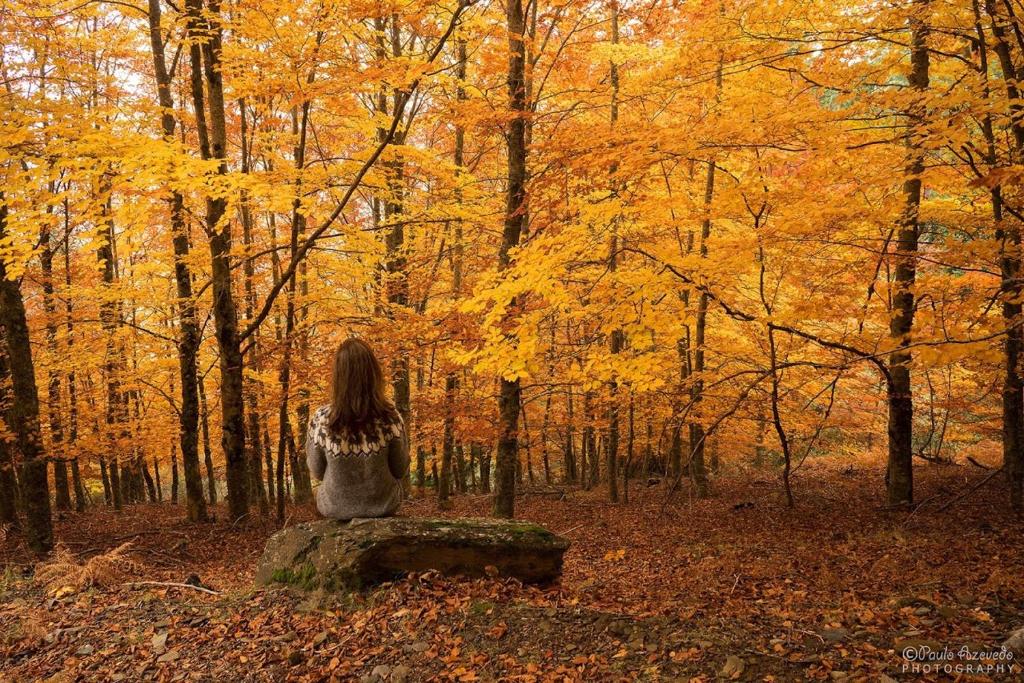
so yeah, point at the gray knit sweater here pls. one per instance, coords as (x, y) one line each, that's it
(360, 479)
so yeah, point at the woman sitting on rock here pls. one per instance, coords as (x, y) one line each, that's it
(357, 444)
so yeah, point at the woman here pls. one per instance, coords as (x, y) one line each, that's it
(357, 444)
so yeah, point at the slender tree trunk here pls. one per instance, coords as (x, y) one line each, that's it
(395, 263)
(544, 438)
(174, 471)
(110, 317)
(58, 456)
(79, 488)
(1007, 233)
(696, 464)
(8, 478)
(125, 478)
(787, 459)
(108, 496)
(569, 453)
(76, 474)
(150, 484)
(591, 463)
(205, 61)
(299, 128)
(460, 468)
(302, 395)
(284, 374)
(900, 475)
(444, 482)
(509, 395)
(630, 439)
(188, 325)
(294, 462)
(645, 466)
(474, 463)
(256, 457)
(451, 382)
(279, 478)
(159, 485)
(527, 442)
(211, 481)
(485, 472)
(273, 493)
(22, 412)
(617, 339)
(421, 468)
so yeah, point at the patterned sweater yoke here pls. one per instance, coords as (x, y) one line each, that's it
(335, 446)
(361, 476)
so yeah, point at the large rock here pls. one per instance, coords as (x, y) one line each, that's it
(338, 556)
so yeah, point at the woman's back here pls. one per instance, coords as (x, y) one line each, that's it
(357, 443)
(361, 476)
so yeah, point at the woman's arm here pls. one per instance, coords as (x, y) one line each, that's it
(398, 455)
(315, 459)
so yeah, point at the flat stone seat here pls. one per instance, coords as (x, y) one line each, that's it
(340, 556)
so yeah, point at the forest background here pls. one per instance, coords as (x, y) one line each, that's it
(632, 267)
(591, 239)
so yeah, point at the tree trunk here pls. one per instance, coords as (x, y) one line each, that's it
(150, 484)
(545, 424)
(591, 463)
(1007, 233)
(205, 61)
(527, 442)
(569, 452)
(254, 455)
(58, 456)
(395, 264)
(474, 460)
(108, 496)
(257, 457)
(189, 339)
(444, 483)
(174, 471)
(211, 482)
(617, 339)
(22, 412)
(421, 468)
(8, 478)
(509, 395)
(279, 474)
(273, 493)
(630, 439)
(900, 475)
(696, 465)
(159, 484)
(485, 472)
(76, 474)
(110, 317)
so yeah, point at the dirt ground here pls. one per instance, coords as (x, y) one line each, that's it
(661, 588)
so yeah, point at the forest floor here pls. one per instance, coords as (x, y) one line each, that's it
(734, 587)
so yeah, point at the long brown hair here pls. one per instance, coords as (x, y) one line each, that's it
(359, 406)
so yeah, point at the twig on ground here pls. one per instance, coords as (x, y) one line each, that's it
(172, 584)
(810, 633)
(969, 491)
(148, 532)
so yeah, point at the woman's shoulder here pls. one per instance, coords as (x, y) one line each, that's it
(396, 425)
(319, 416)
